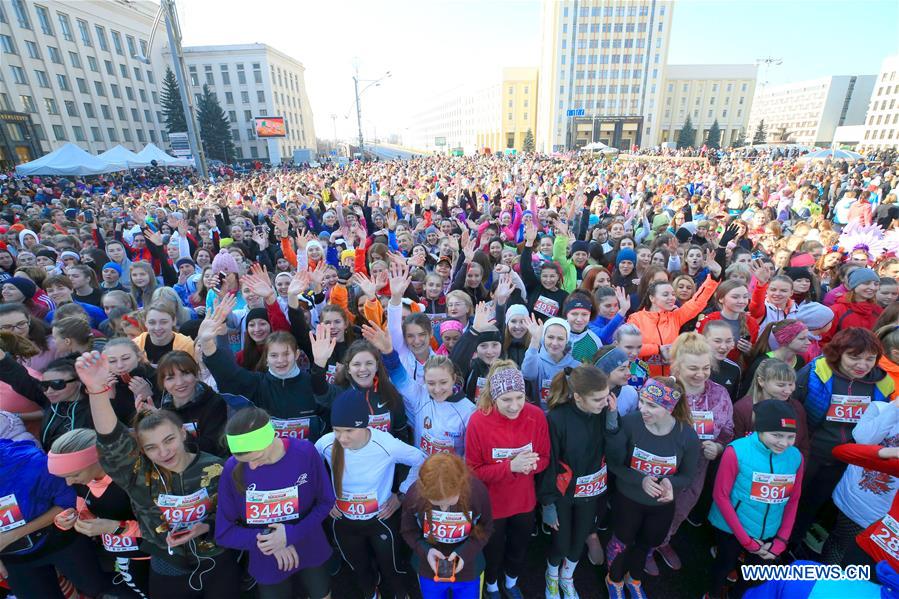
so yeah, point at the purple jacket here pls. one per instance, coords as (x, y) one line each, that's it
(301, 466)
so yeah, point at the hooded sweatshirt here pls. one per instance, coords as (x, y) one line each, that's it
(539, 368)
(847, 314)
(204, 418)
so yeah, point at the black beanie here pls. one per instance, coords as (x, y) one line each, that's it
(774, 415)
(350, 410)
(797, 272)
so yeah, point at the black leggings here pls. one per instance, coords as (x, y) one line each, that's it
(577, 519)
(640, 528)
(818, 482)
(360, 540)
(840, 539)
(508, 546)
(316, 582)
(213, 578)
(133, 574)
(34, 577)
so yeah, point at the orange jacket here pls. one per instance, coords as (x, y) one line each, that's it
(892, 369)
(662, 328)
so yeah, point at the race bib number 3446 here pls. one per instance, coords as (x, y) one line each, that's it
(267, 507)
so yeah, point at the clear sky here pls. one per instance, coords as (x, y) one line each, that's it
(433, 46)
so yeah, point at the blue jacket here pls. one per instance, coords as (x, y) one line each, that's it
(606, 327)
(95, 314)
(23, 473)
(760, 519)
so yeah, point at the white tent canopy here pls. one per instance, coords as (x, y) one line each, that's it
(152, 152)
(598, 146)
(122, 157)
(67, 160)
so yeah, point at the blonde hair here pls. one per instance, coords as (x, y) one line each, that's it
(485, 399)
(770, 369)
(462, 296)
(689, 344)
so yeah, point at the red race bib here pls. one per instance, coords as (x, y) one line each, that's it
(361, 506)
(120, 543)
(591, 485)
(547, 306)
(295, 428)
(771, 488)
(704, 424)
(380, 421)
(446, 527)
(885, 534)
(10, 513)
(267, 507)
(431, 445)
(652, 464)
(184, 511)
(847, 408)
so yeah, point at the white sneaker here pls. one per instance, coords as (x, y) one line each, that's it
(552, 586)
(568, 590)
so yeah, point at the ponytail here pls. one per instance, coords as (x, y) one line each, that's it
(581, 380)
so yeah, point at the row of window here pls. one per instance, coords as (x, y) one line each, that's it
(225, 74)
(45, 22)
(729, 87)
(683, 101)
(883, 105)
(883, 119)
(872, 135)
(710, 114)
(611, 27)
(62, 81)
(616, 11)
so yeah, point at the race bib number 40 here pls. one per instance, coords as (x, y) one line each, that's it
(295, 428)
(771, 488)
(10, 513)
(359, 506)
(267, 507)
(650, 463)
(446, 527)
(184, 511)
(847, 408)
(591, 485)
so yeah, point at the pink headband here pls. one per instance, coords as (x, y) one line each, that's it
(506, 381)
(802, 260)
(67, 463)
(450, 325)
(786, 334)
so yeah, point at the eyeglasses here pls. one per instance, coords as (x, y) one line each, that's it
(57, 384)
(19, 326)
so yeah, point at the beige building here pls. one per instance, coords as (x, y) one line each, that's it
(519, 108)
(706, 93)
(882, 120)
(253, 80)
(808, 112)
(602, 70)
(76, 68)
(496, 117)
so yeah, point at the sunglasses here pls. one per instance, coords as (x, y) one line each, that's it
(57, 384)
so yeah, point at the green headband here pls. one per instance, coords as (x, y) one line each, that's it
(256, 440)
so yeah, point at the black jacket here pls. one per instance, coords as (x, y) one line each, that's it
(204, 418)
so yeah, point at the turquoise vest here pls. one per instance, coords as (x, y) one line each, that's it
(761, 512)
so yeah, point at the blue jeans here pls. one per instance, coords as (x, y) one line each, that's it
(468, 589)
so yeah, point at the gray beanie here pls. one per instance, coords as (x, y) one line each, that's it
(860, 276)
(814, 315)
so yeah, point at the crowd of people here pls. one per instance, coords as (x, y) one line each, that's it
(211, 388)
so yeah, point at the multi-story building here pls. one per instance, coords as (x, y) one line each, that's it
(808, 112)
(495, 118)
(252, 80)
(706, 93)
(601, 72)
(519, 108)
(882, 121)
(79, 70)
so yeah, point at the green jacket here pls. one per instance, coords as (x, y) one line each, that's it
(569, 271)
(145, 482)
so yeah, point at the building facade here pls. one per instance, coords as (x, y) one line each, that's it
(78, 70)
(706, 93)
(519, 108)
(882, 121)
(18, 140)
(601, 72)
(253, 80)
(808, 112)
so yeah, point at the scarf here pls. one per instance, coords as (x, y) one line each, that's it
(294, 372)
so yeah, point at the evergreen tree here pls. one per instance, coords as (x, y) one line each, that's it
(529, 141)
(741, 140)
(215, 129)
(172, 109)
(713, 141)
(687, 134)
(760, 135)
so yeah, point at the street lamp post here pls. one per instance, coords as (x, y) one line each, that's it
(356, 82)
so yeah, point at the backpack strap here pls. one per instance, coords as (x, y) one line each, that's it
(843, 317)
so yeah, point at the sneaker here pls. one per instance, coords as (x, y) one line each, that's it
(634, 588)
(615, 589)
(651, 567)
(732, 577)
(512, 592)
(568, 590)
(491, 594)
(594, 551)
(670, 556)
(552, 586)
